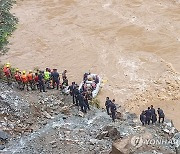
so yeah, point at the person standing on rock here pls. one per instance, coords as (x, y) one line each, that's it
(153, 115)
(77, 95)
(41, 82)
(148, 116)
(72, 91)
(55, 78)
(24, 79)
(82, 104)
(64, 76)
(17, 77)
(113, 110)
(107, 105)
(30, 77)
(86, 101)
(7, 73)
(143, 118)
(47, 76)
(161, 115)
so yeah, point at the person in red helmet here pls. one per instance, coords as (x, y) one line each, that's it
(7, 73)
(17, 77)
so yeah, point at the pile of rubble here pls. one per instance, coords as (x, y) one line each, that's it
(50, 123)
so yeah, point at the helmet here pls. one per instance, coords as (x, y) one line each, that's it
(24, 72)
(7, 64)
(30, 71)
(17, 70)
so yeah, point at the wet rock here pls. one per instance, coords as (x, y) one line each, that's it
(47, 115)
(110, 132)
(4, 136)
(2, 147)
(65, 110)
(102, 135)
(80, 114)
(119, 115)
(52, 142)
(93, 141)
(54, 146)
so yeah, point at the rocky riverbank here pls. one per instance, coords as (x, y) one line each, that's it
(33, 122)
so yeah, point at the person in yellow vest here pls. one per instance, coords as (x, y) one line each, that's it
(47, 76)
(24, 80)
(30, 77)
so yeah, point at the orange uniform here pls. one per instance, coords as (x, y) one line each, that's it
(30, 77)
(17, 76)
(24, 78)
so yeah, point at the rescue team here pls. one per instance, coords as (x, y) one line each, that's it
(39, 80)
(50, 79)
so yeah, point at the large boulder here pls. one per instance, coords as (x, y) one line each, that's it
(109, 132)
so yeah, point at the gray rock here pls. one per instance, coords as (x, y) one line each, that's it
(2, 147)
(4, 135)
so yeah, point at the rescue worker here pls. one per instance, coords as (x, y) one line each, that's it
(148, 116)
(17, 77)
(107, 105)
(55, 78)
(64, 75)
(113, 110)
(30, 77)
(65, 81)
(77, 95)
(86, 101)
(72, 91)
(154, 118)
(7, 73)
(143, 118)
(36, 80)
(41, 81)
(82, 104)
(161, 115)
(47, 76)
(24, 79)
(153, 114)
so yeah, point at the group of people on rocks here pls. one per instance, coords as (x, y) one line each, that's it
(111, 108)
(36, 80)
(80, 98)
(82, 95)
(150, 115)
(50, 79)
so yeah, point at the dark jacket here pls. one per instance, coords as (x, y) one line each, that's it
(148, 113)
(142, 117)
(153, 111)
(112, 107)
(160, 113)
(55, 76)
(107, 103)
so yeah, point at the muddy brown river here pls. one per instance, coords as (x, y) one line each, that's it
(129, 43)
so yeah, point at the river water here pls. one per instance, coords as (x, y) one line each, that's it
(129, 43)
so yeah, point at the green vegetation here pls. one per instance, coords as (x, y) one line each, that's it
(8, 23)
